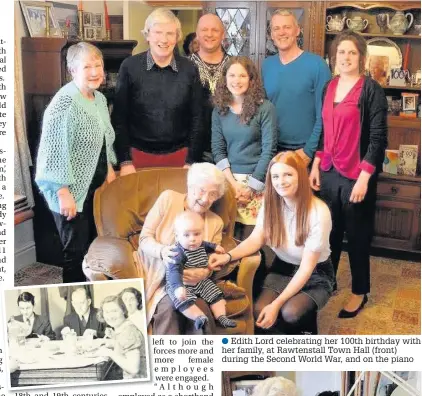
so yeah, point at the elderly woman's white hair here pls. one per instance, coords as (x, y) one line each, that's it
(162, 15)
(275, 386)
(76, 52)
(204, 172)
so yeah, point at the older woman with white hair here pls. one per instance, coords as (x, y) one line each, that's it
(206, 184)
(275, 386)
(76, 154)
(157, 110)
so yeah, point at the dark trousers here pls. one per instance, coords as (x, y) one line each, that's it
(76, 235)
(356, 219)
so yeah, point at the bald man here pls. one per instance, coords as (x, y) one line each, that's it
(209, 60)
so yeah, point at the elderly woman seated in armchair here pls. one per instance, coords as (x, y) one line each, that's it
(205, 185)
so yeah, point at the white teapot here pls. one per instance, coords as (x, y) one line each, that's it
(357, 24)
(400, 22)
(335, 23)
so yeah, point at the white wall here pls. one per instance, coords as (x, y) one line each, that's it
(309, 383)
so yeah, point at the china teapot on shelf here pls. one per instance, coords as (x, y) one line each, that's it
(357, 23)
(335, 23)
(400, 23)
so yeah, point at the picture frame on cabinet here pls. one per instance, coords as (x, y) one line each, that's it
(89, 33)
(34, 13)
(87, 19)
(67, 12)
(98, 33)
(378, 66)
(98, 20)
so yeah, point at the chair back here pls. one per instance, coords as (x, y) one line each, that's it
(120, 208)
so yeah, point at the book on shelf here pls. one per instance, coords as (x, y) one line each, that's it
(408, 158)
(391, 160)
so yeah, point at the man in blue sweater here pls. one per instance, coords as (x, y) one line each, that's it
(294, 80)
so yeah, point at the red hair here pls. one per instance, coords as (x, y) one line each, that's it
(274, 222)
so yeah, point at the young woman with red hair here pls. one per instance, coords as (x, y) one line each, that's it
(296, 226)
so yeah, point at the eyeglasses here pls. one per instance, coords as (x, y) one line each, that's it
(212, 195)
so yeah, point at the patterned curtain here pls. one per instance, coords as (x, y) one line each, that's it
(22, 155)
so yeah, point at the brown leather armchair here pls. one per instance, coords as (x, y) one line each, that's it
(120, 209)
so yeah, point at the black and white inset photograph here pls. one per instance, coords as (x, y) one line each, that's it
(80, 334)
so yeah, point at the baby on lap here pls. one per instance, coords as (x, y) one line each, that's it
(192, 252)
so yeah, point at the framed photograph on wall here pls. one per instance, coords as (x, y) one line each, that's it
(67, 12)
(35, 13)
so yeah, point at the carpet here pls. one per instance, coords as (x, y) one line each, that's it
(394, 305)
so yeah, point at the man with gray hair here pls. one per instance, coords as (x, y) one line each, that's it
(157, 113)
(294, 81)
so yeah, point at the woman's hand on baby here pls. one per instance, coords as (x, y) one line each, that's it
(180, 293)
(193, 276)
(219, 249)
(216, 261)
(268, 316)
(168, 254)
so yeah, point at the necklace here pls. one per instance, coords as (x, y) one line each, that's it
(209, 73)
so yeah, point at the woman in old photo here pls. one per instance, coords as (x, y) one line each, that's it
(127, 347)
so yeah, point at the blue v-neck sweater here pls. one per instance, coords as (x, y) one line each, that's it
(295, 90)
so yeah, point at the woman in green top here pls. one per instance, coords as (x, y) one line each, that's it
(244, 137)
(76, 154)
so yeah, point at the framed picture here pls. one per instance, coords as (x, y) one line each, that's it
(98, 20)
(98, 33)
(35, 13)
(244, 387)
(378, 68)
(87, 18)
(409, 101)
(89, 33)
(67, 12)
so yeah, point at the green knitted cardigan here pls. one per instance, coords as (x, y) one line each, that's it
(73, 133)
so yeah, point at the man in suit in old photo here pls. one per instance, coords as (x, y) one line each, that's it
(85, 316)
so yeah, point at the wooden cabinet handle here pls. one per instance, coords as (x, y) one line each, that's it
(394, 190)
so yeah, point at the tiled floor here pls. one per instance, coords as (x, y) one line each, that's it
(394, 304)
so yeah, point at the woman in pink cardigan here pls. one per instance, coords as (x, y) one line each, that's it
(206, 184)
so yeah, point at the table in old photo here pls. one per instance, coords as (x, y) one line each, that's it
(53, 362)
